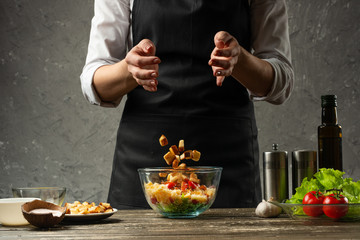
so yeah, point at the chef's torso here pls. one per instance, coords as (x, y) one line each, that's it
(217, 121)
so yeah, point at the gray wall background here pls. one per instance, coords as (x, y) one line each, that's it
(50, 136)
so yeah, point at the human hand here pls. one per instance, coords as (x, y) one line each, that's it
(224, 56)
(144, 65)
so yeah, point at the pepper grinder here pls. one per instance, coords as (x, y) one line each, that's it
(304, 165)
(275, 166)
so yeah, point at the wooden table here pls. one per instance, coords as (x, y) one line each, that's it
(213, 224)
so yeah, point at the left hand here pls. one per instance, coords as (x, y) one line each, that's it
(224, 56)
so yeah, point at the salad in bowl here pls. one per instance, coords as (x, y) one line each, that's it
(179, 191)
(185, 197)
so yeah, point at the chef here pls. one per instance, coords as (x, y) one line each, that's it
(191, 69)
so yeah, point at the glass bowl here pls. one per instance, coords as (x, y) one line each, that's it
(338, 212)
(176, 193)
(55, 195)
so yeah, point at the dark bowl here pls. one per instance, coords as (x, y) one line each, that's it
(43, 220)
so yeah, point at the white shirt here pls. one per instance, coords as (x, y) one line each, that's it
(111, 37)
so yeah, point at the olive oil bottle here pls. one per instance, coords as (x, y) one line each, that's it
(330, 135)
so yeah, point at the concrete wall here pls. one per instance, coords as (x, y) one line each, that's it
(50, 136)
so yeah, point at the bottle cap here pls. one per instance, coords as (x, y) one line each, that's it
(328, 101)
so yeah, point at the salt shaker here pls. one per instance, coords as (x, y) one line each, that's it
(275, 166)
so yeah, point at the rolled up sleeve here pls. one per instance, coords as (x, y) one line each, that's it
(270, 42)
(108, 43)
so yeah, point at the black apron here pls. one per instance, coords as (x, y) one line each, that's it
(217, 121)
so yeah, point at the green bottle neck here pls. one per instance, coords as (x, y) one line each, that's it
(329, 116)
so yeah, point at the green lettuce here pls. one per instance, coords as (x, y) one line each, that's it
(352, 191)
(183, 206)
(327, 179)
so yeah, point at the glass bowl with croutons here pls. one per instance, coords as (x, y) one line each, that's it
(180, 191)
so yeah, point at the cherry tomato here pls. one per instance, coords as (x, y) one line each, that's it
(195, 201)
(334, 211)
(313, 197)
(154, 200)
(170, 185)
(192, 184)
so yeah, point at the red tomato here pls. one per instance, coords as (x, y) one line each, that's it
(313, 197)
(334, 211)
(192, 184)
(170, 185)
(184, 186)
(154, 200)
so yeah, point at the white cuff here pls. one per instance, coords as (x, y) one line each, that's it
(88, 89)
(282, 86)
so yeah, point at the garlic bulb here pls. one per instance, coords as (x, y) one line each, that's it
(266, 210)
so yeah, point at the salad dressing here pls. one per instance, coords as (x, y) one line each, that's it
(55, 213)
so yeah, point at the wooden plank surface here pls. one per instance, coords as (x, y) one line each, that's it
(213, 224)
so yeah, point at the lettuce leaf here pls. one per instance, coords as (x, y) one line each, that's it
(330, 178)
(305, 187)
(352, 191)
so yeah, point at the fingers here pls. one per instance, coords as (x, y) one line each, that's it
(225, 45)
(220, 74)
(144, 65)
(142, 73)
(220, 80)
(149, 85)
(222, 39)
(230, 51)
(224, 56)
(147, 47)
(141, 61)
(224, 63)
(143, 54)
(145, 76)
(222, 66)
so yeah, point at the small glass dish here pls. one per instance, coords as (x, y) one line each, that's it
(55, 195)
(183, 199)
(350, 212)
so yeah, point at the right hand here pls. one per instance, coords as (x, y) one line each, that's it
(144, 65)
